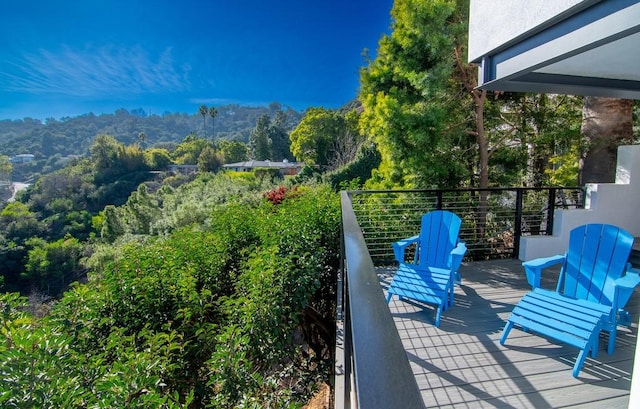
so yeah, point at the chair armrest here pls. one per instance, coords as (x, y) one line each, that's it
(457, 254)
(625, 285)
(400, 246)
(630, 280)
(533, 268)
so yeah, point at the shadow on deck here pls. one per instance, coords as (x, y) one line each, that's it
(462, 364)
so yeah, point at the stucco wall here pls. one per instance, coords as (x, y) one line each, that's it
(611, 203)
(493, 23)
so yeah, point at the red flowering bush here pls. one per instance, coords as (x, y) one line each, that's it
(277, 195)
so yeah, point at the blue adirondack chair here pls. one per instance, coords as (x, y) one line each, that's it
(594, 285)
(429, 278)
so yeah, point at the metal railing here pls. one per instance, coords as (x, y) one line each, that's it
(493, 220)
(372, 370)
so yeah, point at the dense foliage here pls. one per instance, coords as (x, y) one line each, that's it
(210, 289)
(74, 135)
(84, 201)
(52, 141)
(435, 129)
(208, 316)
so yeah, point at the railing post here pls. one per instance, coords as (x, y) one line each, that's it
(342, 354)
(551, 209)
(517, 226)
(439, 200)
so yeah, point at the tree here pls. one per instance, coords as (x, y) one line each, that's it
(112, 226)
(313, 138)
(131, 158)
(233, 151)
(280, 142)
(413, 109)
(104, 151)
(259, 141)
(204, 111)
(140, 212)
(18, 223)
(209, 160)
(157, 159)
(347, 143)
(5, 168)
(213, 112)
(50, 267)
(142, 138)
(606, 124)
(189, 150)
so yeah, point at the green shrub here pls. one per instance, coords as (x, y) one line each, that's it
(209, 316)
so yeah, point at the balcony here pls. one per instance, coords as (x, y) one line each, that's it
(391, 356)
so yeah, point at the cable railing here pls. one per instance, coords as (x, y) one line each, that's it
(493, 220)
(371, 368)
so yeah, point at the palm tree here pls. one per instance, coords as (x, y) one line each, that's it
(213, 112)
(142, 137)
(203, 111)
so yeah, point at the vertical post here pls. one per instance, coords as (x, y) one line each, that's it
(439, 200)
(551, 210)
(342, 353)
(517, 229)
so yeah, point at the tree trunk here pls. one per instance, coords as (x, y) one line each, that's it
(606, 124)
(479, 98)
(469, 79)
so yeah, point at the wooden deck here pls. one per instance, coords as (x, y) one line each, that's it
(462, 364)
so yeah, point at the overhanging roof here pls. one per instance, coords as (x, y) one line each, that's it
(594, 51)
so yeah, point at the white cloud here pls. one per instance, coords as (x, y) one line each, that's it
(213, 101)
(95, 72)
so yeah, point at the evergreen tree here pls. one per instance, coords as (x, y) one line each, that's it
(280, 137)
(408, 110)
(259, 141)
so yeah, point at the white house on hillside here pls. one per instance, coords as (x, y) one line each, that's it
(285, 167)
(22, 158)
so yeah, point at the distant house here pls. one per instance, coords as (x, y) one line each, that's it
(285, 167)
(22, 158)
(183, 169)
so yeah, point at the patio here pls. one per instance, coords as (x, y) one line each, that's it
(462, 364)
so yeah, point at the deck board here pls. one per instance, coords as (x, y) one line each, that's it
(462, 364)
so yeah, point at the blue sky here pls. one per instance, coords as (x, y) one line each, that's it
(66, 58)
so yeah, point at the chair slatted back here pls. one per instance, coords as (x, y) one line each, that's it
(438, 236)
(597, 255)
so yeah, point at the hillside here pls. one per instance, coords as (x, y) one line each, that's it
(73, 136)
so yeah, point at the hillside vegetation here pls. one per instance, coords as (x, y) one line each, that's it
(74, 135)
(227, 312)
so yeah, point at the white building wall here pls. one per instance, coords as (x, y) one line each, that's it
(612, 203)
(493, 23)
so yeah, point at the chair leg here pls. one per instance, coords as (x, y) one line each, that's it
(389, 297)
(595, 346)
(612, 341)
(450, 297)
(580, 361)
(438, 315)
(505, 332)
